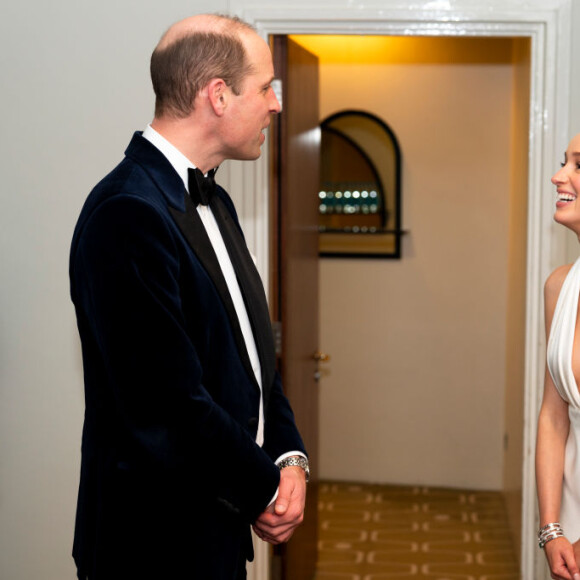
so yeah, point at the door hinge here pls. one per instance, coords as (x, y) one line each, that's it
(277, 332)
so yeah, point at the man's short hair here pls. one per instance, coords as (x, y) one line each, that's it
(181, 69)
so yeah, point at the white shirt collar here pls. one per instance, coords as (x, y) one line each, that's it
(177, 159)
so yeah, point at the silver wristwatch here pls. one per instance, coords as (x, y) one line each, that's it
(297, 460)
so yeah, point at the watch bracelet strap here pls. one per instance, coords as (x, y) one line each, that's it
(298, 461)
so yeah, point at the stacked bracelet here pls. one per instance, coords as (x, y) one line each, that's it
(549, 532)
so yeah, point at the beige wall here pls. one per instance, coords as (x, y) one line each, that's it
(415, 389)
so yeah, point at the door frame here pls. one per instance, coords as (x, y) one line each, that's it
(547, 23)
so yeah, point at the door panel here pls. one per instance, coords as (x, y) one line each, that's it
(295, 162)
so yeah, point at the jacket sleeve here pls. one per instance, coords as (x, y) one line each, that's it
(124, 281)
(280, 434)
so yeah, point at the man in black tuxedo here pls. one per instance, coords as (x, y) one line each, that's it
(188, 438)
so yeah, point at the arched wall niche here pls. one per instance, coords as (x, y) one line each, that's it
(360, 187)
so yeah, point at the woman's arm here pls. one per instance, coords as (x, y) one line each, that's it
(553, 427)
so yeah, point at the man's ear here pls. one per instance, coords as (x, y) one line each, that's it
(218, 95)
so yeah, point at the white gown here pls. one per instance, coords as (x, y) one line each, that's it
(559, 357)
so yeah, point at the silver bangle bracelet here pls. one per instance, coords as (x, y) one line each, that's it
(549, 532)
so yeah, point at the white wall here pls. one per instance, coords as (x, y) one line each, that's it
(74, 86)
(572, 247)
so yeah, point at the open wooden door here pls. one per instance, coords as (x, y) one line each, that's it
(295, 182)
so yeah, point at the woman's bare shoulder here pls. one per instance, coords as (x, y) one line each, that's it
(554, 282)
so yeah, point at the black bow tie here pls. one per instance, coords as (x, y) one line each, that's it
(201, 189)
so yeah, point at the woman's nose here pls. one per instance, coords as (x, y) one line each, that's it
(559, 177)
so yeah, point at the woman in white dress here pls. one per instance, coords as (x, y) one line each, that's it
(558, 444)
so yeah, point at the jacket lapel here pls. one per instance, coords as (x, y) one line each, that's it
(251, 286)
(194, 232)
(188, 221)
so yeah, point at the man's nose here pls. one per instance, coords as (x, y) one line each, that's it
(275, 106)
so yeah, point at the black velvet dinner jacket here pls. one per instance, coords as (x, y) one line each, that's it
(169, 459)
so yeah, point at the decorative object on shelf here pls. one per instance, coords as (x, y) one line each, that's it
(360, 187)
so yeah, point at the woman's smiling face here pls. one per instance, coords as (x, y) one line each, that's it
(567, 182)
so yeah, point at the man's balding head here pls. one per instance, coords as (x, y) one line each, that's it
(192, 53)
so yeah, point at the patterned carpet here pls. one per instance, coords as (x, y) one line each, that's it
(377, 532)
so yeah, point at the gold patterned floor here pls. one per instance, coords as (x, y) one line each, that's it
(378, 532)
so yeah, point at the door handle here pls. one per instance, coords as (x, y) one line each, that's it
(321, 356)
